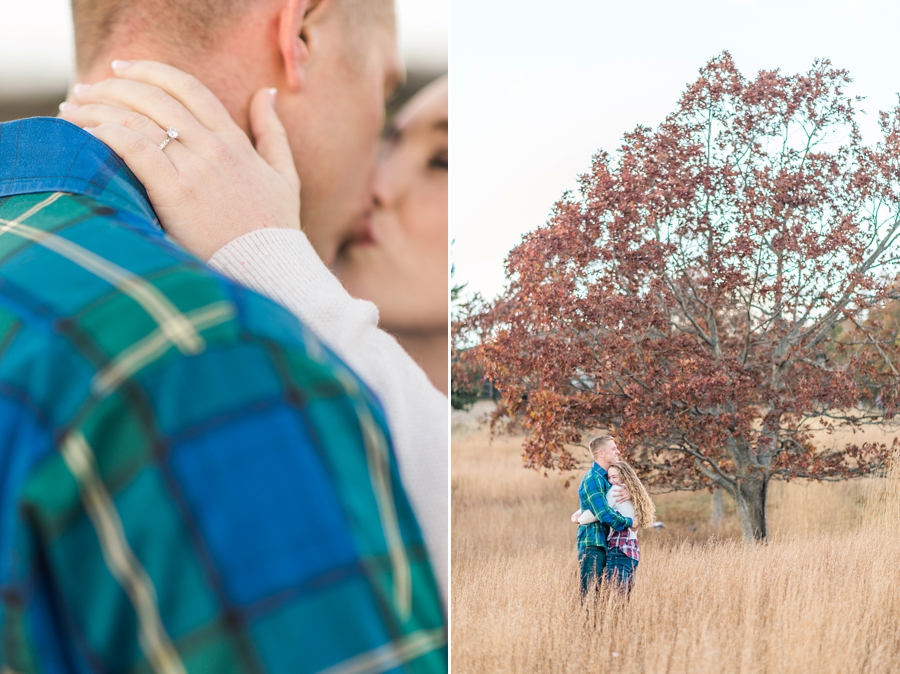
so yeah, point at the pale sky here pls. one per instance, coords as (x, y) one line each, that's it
(36, 48)
(537, 88)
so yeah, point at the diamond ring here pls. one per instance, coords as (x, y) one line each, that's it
(171, 134)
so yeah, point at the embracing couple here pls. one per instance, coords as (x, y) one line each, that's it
(613, 505)
(212, 457)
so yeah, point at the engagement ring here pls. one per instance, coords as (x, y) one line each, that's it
(171, 134)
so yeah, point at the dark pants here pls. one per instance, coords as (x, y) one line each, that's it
(592, 564)
(620, 569)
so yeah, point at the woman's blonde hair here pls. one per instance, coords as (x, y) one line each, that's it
(644, 510)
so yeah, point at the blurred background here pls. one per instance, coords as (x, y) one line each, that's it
(37, 52)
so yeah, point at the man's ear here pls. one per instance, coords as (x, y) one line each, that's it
(292, 42)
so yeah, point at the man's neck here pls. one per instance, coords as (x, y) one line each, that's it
(231, 77)
(605, 467)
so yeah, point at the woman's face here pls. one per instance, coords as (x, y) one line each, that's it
(615, 477)
(400, 262)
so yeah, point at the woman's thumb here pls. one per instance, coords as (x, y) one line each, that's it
(270, 136)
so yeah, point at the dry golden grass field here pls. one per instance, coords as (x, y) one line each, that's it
(822, 596)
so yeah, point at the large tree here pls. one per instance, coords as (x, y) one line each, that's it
(711, 293)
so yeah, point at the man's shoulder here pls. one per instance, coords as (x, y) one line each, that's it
(588, 480)
(593, 482)
(64, 256)
(68, 258)
(101, 298)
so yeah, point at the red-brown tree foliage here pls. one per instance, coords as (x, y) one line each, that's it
(694, 296)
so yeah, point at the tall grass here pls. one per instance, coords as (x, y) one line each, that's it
(822, 596)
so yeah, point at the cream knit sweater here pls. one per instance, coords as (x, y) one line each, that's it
(282, 264)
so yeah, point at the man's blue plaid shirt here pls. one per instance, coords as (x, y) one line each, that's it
(189, 480)
(592, 496)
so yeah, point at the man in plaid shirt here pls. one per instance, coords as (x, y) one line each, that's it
(189, 480)
(593, 537)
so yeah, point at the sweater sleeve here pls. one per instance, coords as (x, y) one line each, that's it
(282, 264)
(624, 508)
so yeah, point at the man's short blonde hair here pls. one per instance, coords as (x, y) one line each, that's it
(185, 27)
(599, 442)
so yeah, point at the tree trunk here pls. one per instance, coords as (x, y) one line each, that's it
(751, 507)
(716, 510)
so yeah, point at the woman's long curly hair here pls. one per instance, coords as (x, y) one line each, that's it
(644, 510)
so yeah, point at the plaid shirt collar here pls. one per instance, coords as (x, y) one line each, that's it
(45, 154)
(600, 472)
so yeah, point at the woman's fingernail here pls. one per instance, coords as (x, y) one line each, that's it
(120, 65)
(89, 129)
(65, 106)
(273, 92)
(81, 88)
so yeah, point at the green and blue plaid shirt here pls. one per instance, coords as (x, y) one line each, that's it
(592, 496)
(189, 480)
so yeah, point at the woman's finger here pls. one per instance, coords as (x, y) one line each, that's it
(95, 114)
(146, 99)
(142, 155)
(185, 88)
(270, 136)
